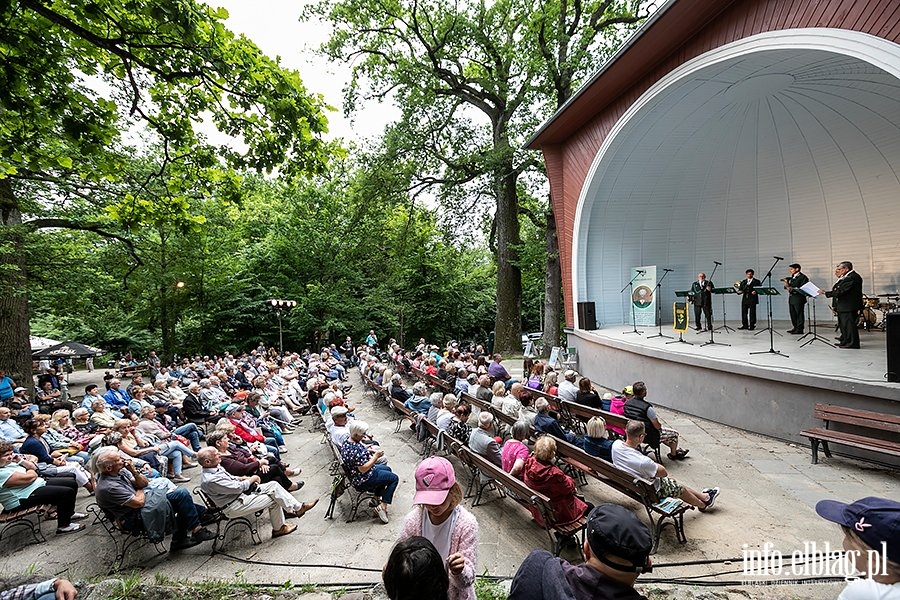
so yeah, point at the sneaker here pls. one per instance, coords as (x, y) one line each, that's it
(179, 479)
(382, 514)
(73, 527)
(202, 535)
(282, 449)
(187, 465)
(713, 494)
(78, 516)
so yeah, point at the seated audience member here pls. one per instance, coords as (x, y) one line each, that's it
(240, 462)
(66, 432)
(550, 386)
(483, 442)
(628, 457)
(515, 451)
(527, 412)
(123, 493)
(871, 527)
(397, 389)
(616, 550)
(366, 473)
(50, 589)
(541, 474)
(483, 390)
(567, 388)
(511, 405)
(10, 431)
(49, 399)
(240, 497)
(498, 372)
(35, 445)
(639, 409)
(438, 516)
(338, 429)
(498, 391)
(463, 381)
(595, 441)
(22, 487)
(445, 415)
(587, 395)
(116, 397)
(102, 416)
(22, 408)
(617, 407)
(247, 430)
(189, 430)
(193, 408)
(459, 428)
(420, 402)
(545, 423)
(536, 376)
(415, 571)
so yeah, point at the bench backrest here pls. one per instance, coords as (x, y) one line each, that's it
(582, 413)
(860, 418)
(608, 473)
(516, 487)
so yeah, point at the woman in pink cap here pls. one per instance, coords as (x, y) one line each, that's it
(439, 518)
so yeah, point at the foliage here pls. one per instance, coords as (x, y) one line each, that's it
(488, 589)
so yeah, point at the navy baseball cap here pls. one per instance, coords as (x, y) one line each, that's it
(873, 520)
(615, 530)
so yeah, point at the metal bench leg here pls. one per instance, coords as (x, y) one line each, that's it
(825, 449)
(815, 450)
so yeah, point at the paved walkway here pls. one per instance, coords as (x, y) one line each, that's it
(769, 490)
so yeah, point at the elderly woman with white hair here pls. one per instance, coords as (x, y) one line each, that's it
(365, 472)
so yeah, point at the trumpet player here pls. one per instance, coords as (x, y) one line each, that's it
(796, 298)
(701, 295)
(749, 300)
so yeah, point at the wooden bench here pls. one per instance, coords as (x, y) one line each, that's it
(887, 426)
(532, 500)
(123, 540)
(660, 511)
(24, 518)
(432, 380)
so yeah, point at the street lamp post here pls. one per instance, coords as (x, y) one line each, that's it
(280, 307)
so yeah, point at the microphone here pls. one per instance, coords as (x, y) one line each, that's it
(779, 257)
(668, 270)
(717, 262)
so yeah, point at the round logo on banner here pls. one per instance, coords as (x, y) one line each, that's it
(642, 296)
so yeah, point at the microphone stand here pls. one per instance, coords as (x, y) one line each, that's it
(815, 335)
(725, 328)
(768, 280)
(712, 341)
(659, 307)
(630, 287)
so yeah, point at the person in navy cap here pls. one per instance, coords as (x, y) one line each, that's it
(869, 524)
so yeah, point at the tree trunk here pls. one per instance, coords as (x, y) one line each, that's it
(507, 326)
(15, 346)
(552, 285)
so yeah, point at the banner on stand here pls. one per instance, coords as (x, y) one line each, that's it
(643, 298)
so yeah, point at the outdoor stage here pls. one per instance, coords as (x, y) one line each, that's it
(765, 393)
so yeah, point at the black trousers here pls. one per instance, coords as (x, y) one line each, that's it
(706, 309)
(849, 331)
(798, 316)
(59, 492)
(748, 315)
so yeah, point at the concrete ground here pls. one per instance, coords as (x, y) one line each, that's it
(768, 493)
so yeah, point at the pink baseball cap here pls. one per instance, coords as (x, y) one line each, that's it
(434, 478)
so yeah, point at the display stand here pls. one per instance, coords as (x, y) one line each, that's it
(723, 292)
(768, 292)
(812, 323)
(659, 307)
(681, 340)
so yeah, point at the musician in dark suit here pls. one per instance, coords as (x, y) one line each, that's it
(701, 296)
(796, 298)
(749, 300)
(847, 299)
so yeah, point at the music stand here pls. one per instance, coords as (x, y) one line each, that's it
(768, 292)
(681, 339)
(812, 329)
(630, 288)
(723, 292)
(659, 307)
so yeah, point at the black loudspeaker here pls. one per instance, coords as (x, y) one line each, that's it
(892, 334)
(587, 315)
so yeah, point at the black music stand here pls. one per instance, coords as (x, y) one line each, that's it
(768, 292)
(630, 288)
(712, 340)
(723, 292)
(659, 307)
(681, 339)
(812, 322)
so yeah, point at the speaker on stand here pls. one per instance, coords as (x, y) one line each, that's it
(892, 335)
(587, 315)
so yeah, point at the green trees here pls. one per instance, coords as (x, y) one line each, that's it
(79, 75)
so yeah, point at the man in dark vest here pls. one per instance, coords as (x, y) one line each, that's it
(847, 299)
(638, 409)
(796, 298)
(701, 296)
(749, 300)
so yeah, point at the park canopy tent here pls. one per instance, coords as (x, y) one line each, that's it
(68, 350)
(39, 343)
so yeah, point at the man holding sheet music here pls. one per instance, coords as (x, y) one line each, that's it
(796, 298)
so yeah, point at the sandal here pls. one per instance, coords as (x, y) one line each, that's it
(679, 455)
